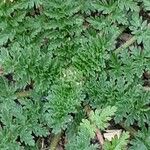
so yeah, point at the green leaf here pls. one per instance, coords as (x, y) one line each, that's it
(25, 136)
(117, 143)
(101, 117)
(146, 4)
(141, 141)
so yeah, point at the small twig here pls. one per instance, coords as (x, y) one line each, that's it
(42, 144)
(55, 141)
(99, 136)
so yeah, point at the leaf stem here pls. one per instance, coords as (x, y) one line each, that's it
(129, 129)
(55, 141)
(126, 44)
(23, 94)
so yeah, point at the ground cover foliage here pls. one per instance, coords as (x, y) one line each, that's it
(58, 57)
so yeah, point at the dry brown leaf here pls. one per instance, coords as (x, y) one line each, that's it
(110, 134)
